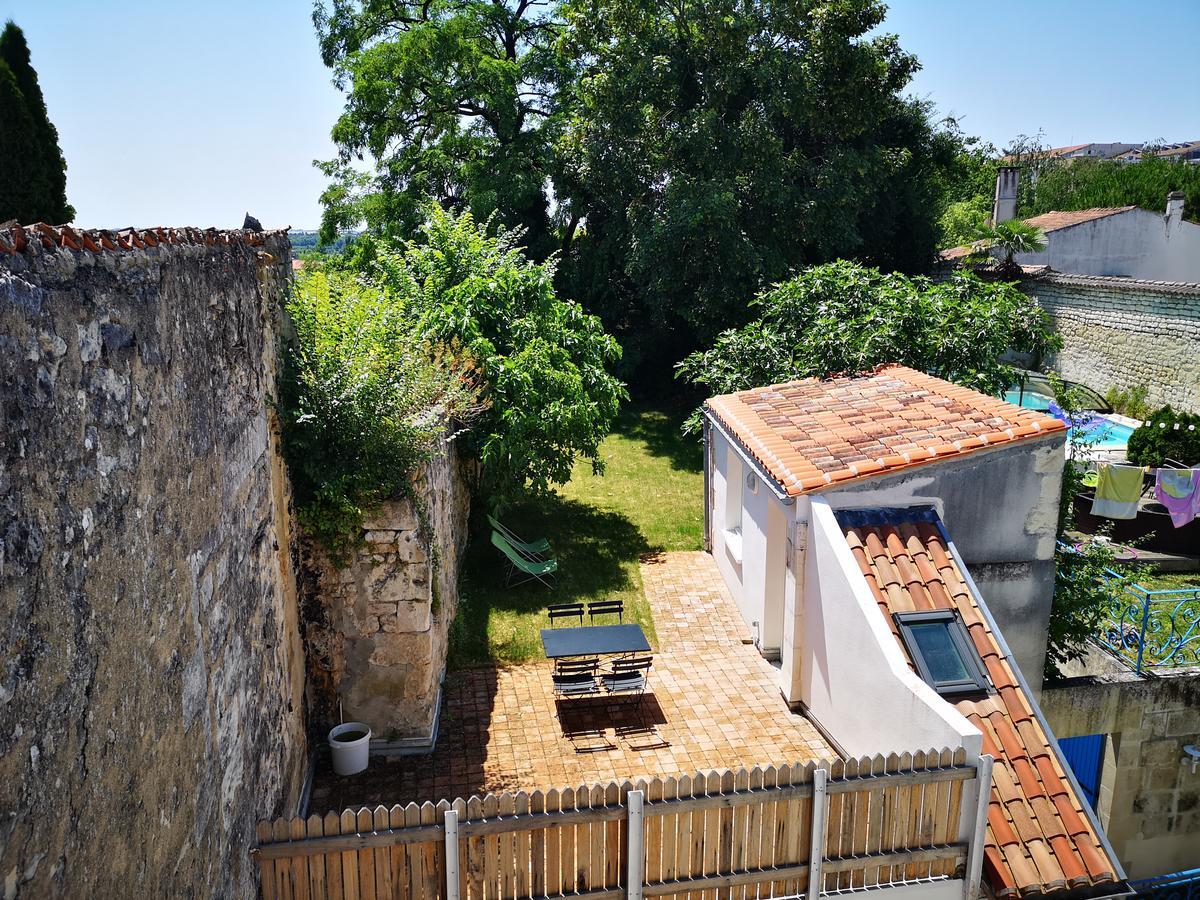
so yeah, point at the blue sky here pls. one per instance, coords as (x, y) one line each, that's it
(192, 113)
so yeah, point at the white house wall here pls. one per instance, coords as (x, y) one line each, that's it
(1001, 506)
(855, 680)
(1134, 244)
(724, 465)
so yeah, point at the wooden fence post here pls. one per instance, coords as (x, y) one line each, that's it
(636, 851)
(452, 880)
(974, 870)
(820, 811)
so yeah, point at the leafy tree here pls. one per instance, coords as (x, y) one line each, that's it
(43, 168)
(364, 401)
(1085, 183)
(843, 317)
(712, 148)
(543, 362)
(450, 99)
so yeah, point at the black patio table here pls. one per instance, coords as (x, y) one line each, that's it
(594, 640)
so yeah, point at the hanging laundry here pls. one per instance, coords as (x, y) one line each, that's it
(1179, 491)
(1117, 492)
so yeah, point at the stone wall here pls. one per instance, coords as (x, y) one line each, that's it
(151, 695)
(377, 629)
(1119, 332)
(1149, 802)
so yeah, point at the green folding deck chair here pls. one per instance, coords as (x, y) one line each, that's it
(518, 565)
(536, 550)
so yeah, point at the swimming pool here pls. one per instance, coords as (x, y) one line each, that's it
(1106, 434)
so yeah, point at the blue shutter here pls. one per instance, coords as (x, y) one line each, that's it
(1085, 756)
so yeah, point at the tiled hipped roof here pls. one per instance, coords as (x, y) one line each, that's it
(1038, 839)
(17, 238)
(818, 432)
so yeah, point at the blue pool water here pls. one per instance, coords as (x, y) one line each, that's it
(1108, 435)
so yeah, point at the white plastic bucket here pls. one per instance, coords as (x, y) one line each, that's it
(350, 744)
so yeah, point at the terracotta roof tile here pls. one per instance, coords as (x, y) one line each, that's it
(1038, 841)
(16, 238)
(819, 432)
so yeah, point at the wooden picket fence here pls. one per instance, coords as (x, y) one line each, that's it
(773, 832)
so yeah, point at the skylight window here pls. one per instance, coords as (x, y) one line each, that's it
(938, 645)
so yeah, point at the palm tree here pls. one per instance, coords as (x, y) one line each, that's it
(1010, 238)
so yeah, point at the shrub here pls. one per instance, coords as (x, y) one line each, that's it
(1131, 402)
(543, 362)
(843, 317)
(364, 401)
(1166, 434)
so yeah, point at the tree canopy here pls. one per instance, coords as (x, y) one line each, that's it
(448, 99)
(543, 363)
(845, 318)
(679, 156)
(714, 147)
(1085, 183)
(33, 173)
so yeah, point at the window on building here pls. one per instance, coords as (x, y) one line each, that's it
(944, 656)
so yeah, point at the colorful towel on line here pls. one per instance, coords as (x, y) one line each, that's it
(1117, 492)
(1179, 491)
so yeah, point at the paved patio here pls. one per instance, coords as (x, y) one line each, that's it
(713, 703)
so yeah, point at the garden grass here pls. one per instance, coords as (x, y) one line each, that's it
(649, 499)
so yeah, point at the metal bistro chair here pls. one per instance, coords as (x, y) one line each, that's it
(606, 608)
(565, 611)
(628, 677)
(576, 677)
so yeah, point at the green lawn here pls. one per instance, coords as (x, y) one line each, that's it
(650, 498)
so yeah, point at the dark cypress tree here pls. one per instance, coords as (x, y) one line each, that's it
(47, 169)
(19, 187)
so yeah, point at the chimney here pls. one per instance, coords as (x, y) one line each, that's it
(1004, 207)
(1174, 210)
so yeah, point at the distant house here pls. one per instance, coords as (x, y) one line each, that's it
(1082, 151)
(1123, 241)
(830, 508)
(1186, 151)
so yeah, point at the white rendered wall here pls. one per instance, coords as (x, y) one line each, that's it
(726, 466)
(1134, 244)
(855, 680)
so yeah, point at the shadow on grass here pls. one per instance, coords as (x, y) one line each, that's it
(662, 436)
(594, 549)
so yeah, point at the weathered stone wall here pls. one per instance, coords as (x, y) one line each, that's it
(151, 696)
(377, 629)
(1119, 332)
(1149, 802)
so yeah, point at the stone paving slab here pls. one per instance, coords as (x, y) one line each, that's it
(713, 703)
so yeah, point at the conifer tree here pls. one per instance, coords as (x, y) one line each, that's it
(45, 169)
(18, 146)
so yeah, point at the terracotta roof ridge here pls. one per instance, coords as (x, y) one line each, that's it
(814, 433)
(19, 238)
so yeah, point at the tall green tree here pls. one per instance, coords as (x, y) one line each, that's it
(18, 145)
(42, 166)
(446, 99)
(712, 148)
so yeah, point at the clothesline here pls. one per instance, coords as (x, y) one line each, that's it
(1119, 490)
